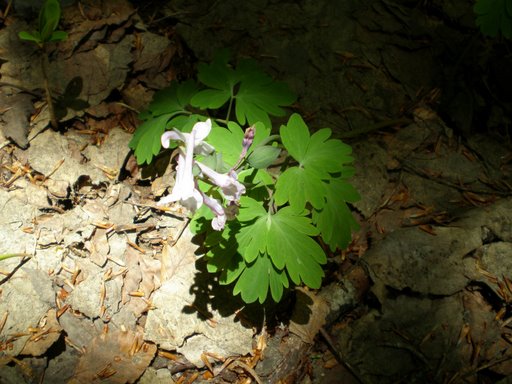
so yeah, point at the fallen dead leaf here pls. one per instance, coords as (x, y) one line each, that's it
(43, 337)
(119, 356)
(16, 115)
(99, 247)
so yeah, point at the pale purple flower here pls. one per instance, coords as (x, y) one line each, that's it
(200, 131)
(246, 143)
(231, 188)
(185, 190)
(219, 221)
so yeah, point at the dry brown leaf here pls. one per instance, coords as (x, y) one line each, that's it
(99, 247)
(133, 276)
(120, 356)
(16, 114)
(150, 268)
(143, 274)
(178, 256)
(43, 337)
(142, 277)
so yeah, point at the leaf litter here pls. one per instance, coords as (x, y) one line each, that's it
(105, 276)
(109, 280)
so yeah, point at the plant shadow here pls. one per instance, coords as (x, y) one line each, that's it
(210, 295)
(70, 98)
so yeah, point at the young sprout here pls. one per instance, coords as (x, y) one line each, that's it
(49, 17)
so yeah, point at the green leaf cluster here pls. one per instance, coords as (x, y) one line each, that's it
(266, 252)
(255, 96)
(273, 244)
(49, 17)
(494, 16)
(319, 180)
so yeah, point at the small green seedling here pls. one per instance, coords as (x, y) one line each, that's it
(49, 17)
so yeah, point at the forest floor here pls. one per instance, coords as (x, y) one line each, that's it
(106, 288)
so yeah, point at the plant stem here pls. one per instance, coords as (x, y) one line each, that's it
(229, 106)
(45, 63)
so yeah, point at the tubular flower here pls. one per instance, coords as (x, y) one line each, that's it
(219, 221)
(185, 190)
(200, 131)
(231, 188)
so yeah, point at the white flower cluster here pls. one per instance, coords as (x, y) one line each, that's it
(186, 190)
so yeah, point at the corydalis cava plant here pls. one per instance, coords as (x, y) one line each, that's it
(284, 190)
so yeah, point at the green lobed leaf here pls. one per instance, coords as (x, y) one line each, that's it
(253, 282)
(278, 280)
(289, 245)
(325, 155)
(168, 108)
(210, 98)
(347, 171)
(298, 186)
(223, 255)
(146, 140)
(252, 238)
(230, 272)
(286, 238)
(335, 220)
(261, 178)
(494, 16)
(258, 97)
(267, 250)
(173, 99)
(295, 137)
(221, 80)
(227, 142)
(319, 158)
(256, 279)
(218, 74)
(250, 209)
(263, 156)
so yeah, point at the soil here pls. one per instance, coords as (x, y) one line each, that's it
(104, 287)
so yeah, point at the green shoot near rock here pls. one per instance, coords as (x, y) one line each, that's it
(49, 17)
